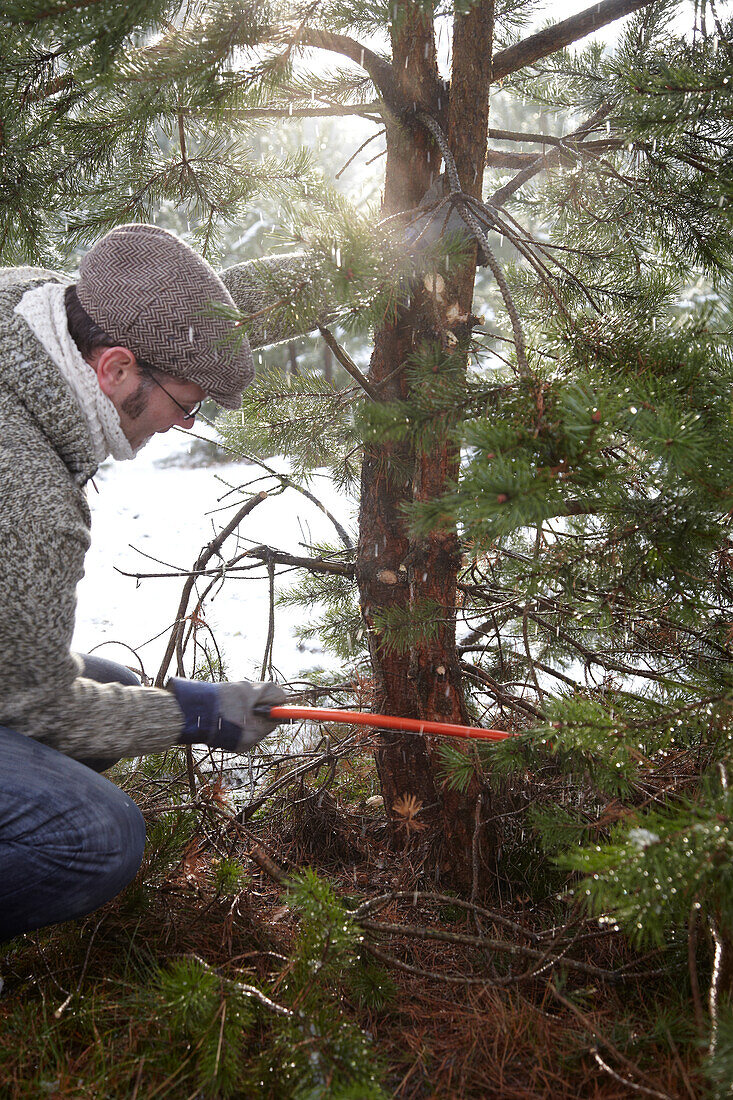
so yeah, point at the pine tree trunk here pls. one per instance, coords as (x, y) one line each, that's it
(394, 571)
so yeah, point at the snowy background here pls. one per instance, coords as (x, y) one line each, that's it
(158, 506)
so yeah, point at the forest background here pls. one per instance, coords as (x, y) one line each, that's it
(544, 488)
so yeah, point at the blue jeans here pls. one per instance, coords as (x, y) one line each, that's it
(69, 839)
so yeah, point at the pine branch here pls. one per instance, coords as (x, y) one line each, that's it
(258, 553)
(559, 35)
(505, 192)
(60, 9)
(365, 110)
(379, 70)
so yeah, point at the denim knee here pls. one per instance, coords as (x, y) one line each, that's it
(125, 847)
(69, 839)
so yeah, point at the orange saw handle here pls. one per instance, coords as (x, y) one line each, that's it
(381, 721)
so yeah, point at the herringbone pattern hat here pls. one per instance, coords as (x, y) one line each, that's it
(156, 296)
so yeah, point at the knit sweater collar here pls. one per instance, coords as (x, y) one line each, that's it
(44, 309)
(30, 375)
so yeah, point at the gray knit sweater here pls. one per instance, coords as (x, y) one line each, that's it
(46, 459)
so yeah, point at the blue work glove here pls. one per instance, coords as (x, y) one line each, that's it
(223, 716)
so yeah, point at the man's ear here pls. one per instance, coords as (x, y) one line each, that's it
(114, 368)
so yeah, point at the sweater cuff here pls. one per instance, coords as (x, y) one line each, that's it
(203, 723)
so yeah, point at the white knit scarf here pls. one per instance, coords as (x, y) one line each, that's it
(44, 309)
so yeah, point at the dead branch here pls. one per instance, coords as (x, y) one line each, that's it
(348, 363)
(201, 562)
(504, 698)
(625, 1081)
(243, 987)
(505, 192)
(692, 924)
(441, 976)
(344, 747)
(429, 975)
(269, 642)
(442, 899)
(259, 553)
(287, 482)
(422, 932)
(600, 1038)
(355, 154)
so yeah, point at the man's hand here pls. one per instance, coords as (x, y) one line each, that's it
(223, 716)
(238, 702)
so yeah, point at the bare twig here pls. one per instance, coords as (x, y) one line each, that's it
(714, 991)
(267, 658)
(258, 553)
(443, 899)
(625, 1081)
(497, 690)
(354, 155)
(423, 932)
(505, 192)
(191, 771)
(286, 481)
(345, 746)
(692, 924)
(201, 562)
(434, 975)
(600, 1038)
(476, 848)
(243, 987)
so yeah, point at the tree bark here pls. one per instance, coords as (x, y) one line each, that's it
(395, 572)
(388, 469)
(467, 847)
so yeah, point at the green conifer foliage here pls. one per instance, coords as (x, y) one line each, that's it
(318, 1052)
(294, 1042)
(208, 1014)
(546, 464)
(595, 491)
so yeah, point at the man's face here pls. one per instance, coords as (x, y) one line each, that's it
(152, 408)
(144, 408)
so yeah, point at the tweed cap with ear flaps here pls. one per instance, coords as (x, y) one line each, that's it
(156, 296)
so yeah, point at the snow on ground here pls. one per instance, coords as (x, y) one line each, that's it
(171, 512)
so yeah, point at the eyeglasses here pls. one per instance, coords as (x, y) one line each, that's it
(188, 413)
